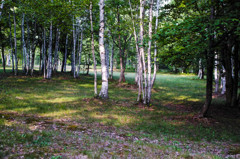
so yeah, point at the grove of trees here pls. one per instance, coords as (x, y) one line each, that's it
(189, 36)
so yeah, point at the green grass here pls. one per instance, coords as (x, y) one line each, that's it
(31, 108)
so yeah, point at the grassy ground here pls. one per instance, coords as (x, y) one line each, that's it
(58, 118)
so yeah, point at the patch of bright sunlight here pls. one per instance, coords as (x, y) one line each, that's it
(8, 123)
(162, 88)
(118, 119)
(61, 100)
(20, 80)
(28, 109)
(86, 85)
(56, 100)
(60, 113)
(194, 100)
(182, 97)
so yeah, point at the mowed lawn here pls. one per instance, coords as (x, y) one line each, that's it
(59, 118)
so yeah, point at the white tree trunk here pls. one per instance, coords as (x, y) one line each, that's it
(155, 46)
(55, 68)
(149, 54)
(223, 81)
(65, 55)
(141, 49)
(49, 65)
(216, 74)
(111, 61)
(28, 50)
(200, 70)
(137, 68)
(11, 45)
(44, 53)
(15, 45)
(73, 52)
(34, 44)
(23, 45)
(93, 52)
(139, 62)
(80, 54)
(107, 58)
(104, 90)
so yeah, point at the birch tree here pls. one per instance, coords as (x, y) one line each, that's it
(141, 50)
(28, 48)
(216, 74)
(104, 89)
(73, 51)
(139, 63)
(33, 47)
(111, 61)
(55, 68)
(44, 53)
(10, 41)
(155, 45)
(24, 50)
(49, 64)
(15, 44)
(93, 51)
(80, 52)
(65, 55)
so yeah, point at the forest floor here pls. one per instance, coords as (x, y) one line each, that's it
(59, 118)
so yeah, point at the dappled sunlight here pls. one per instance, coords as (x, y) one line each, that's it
(72, 101)
(60, 114)
(61, 100)
(115, 119)
(24, 110)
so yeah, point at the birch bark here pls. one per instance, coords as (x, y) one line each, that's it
(149, 54)
(111, 61)
(200, 70)
(44, 53)
(74, 51)
(104, 90)
(10, 40)
(49, 65)
(80, 53)
(55, 68)
(139, 67)
(28, 50)
(107, 58)
(93, 52)
(15, 45)
(23, 45)
(141, 49)
(216, 74)
(65, 55)
(34, 45)
(155, 45)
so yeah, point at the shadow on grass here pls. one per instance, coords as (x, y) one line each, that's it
(65, 97)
